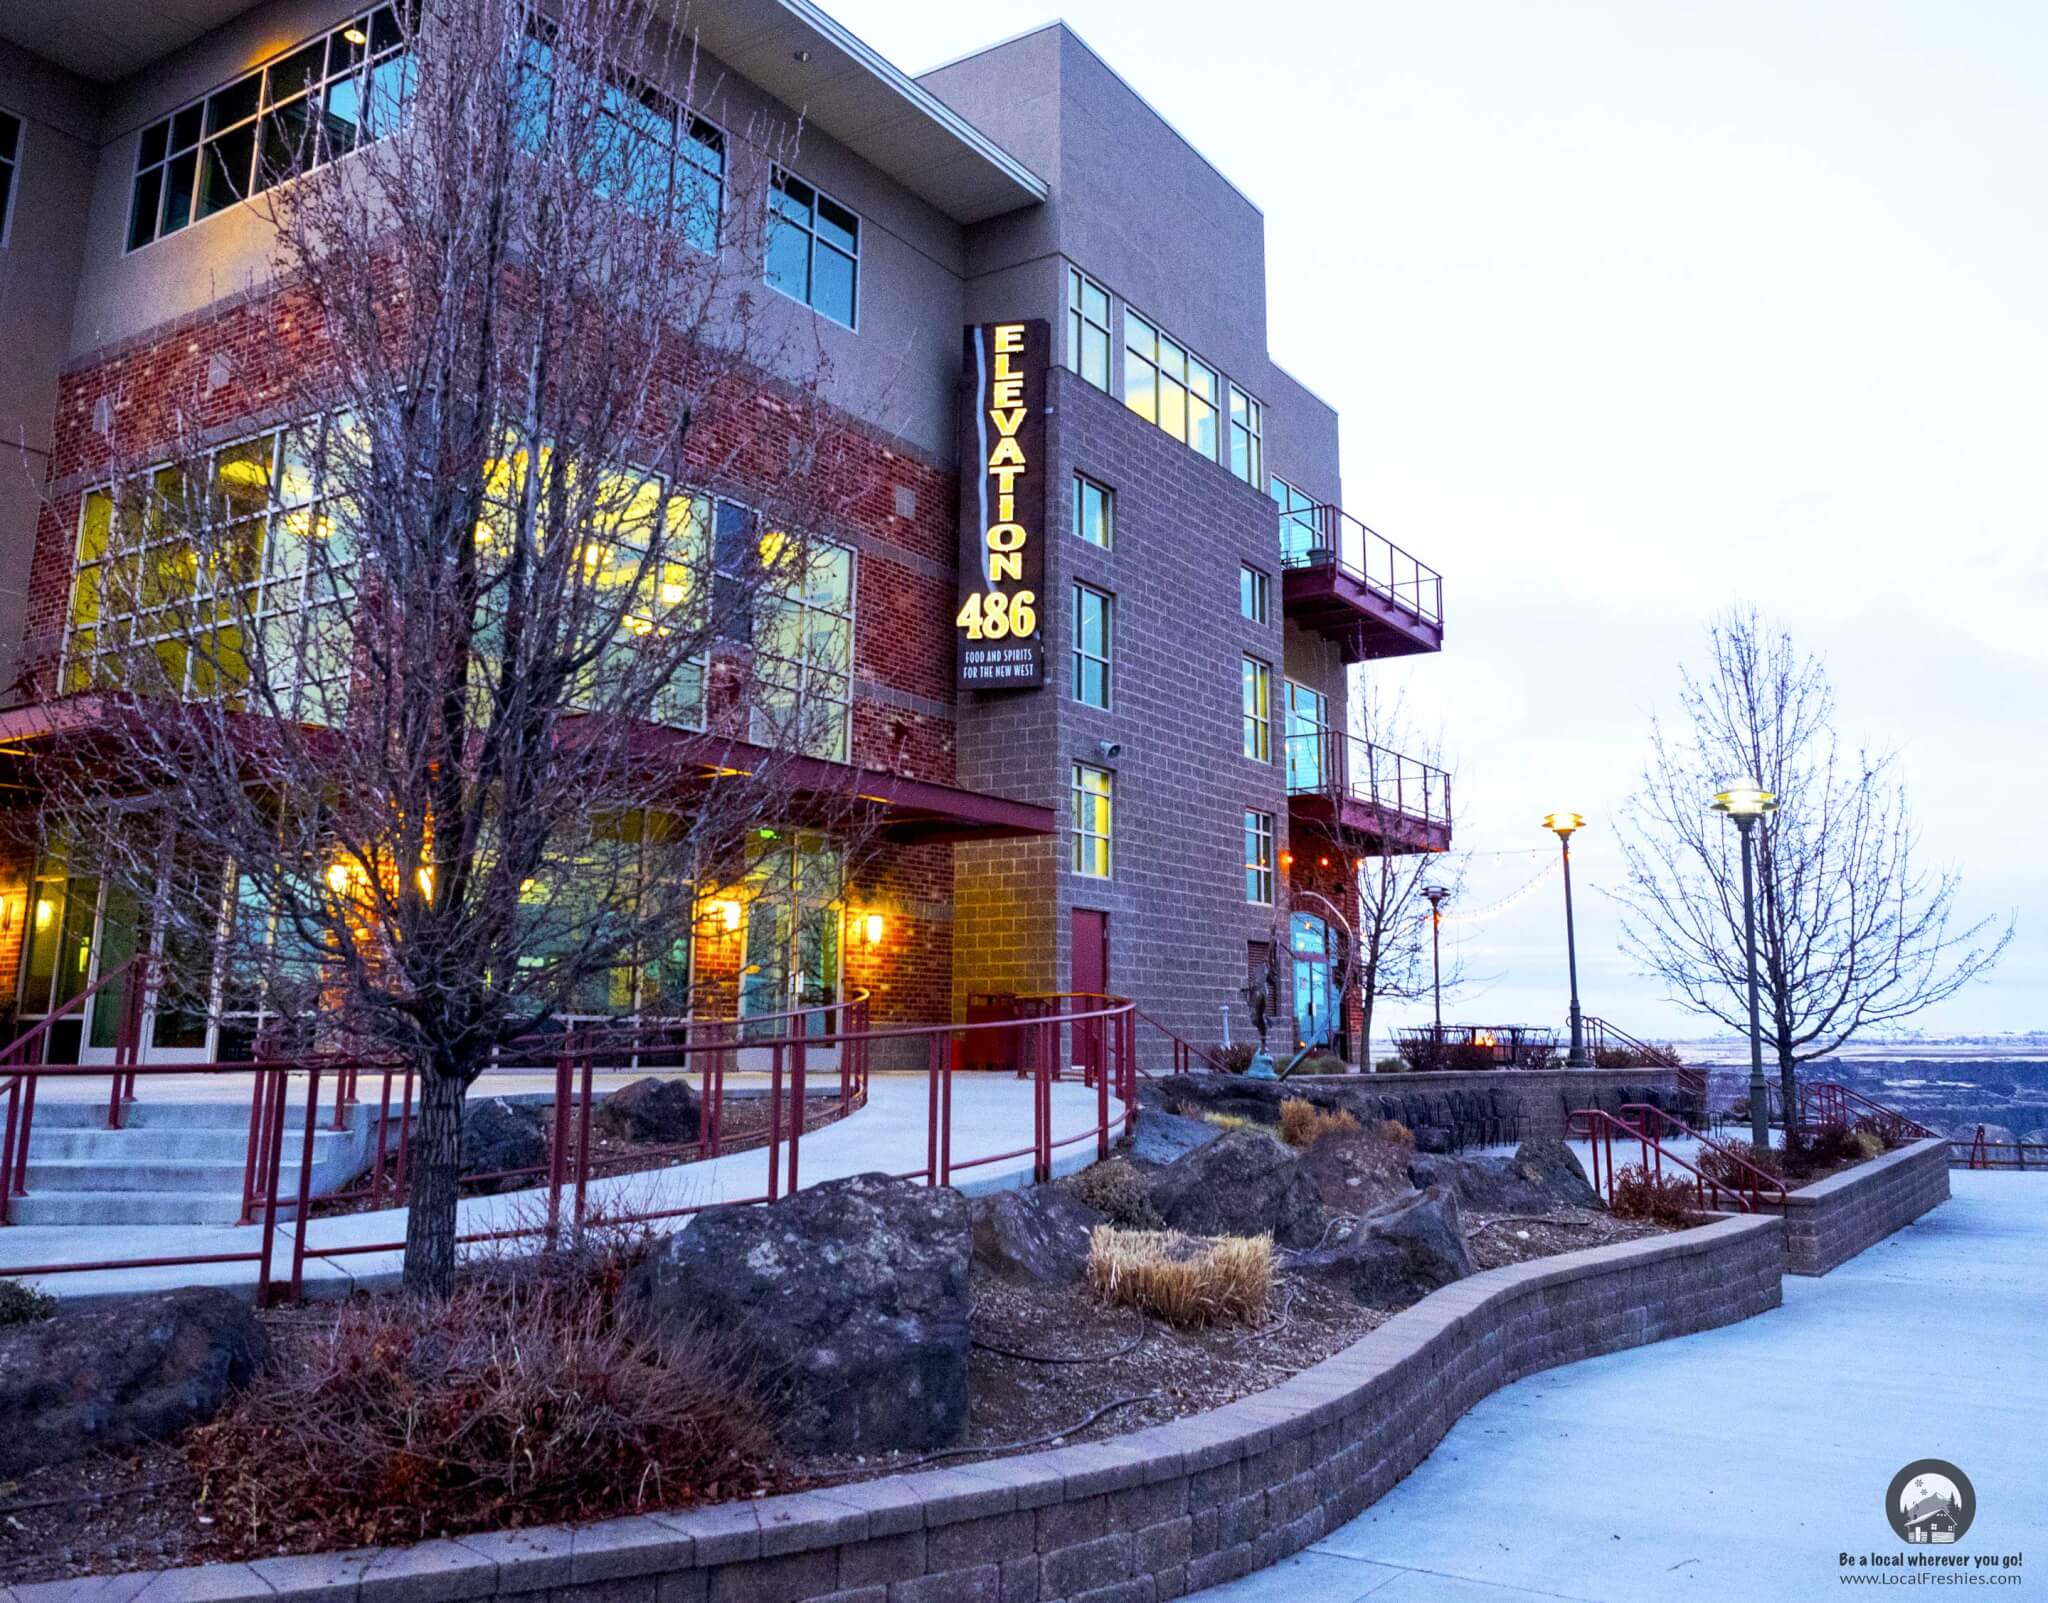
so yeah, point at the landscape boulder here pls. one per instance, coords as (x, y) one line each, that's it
(1161, 1137)
(1541, 1175)
(1397, 1257)
(1241, 1184)
(1039, 1233)
(665, 1112)
(1358, 1172)
(501, 1138)
(118, 1374)
(851, 1297)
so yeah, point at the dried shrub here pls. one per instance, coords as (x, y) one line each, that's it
(1469, 1057)
(1725, 1166)
(1187, 1281)
(1321, 1063)
(1639, 1193)
(528, 1397)
(1114, 1189)
(24, 1305)
(1231, 1121)
(1391, 1065)
(1235, 1058)
(1636, 1057)
(1869, 1144)
(1398, 1133)
(1303, 1124)
(1885, 1134)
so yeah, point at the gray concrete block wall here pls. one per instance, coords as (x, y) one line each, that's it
(1139, 1518)
(1540, 1094)
(1829, 1222)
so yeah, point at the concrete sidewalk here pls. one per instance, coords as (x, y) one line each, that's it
(1740, 1463)
(991, 1113)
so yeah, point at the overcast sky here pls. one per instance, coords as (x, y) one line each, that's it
(1633, 311)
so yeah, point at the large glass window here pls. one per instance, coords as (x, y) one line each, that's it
(10, 159)
(313, 103)
(1308, 715)
(813, 248)
(1258, 857)
(1165, 385)
(1297, 522)
(1247, 438)
(1088, 328)
(1094, 797)
(803, 644)
(1091, 647)
(1258, 710)
(1094, 512)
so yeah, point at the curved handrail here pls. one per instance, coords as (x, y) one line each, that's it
(1762, 1179)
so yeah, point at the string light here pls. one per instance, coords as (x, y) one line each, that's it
(1506, 902)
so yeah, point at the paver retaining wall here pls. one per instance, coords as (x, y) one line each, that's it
(1830, 1221)
(1135, 1519)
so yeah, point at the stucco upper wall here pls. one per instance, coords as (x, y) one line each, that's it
(896, 371)
(1133, 204)
(1301, 437)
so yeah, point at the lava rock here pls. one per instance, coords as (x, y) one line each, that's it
(1540, 1176)
(664, 1111)
(1162, 1137)
(118, 1374)
(852, 1296)
(1241, 1184)
(1432, 1138)
(1397, 1257)
(1358, 1172)
(501, 1138)
(1038, 1233)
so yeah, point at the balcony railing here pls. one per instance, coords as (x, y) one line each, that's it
(1325, 536)
(1370, 789)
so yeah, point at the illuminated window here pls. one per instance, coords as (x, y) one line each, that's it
(10, 159)
(1094, 512)
(1091, 647)
(1093, 788)
(1258, 857)
(1165, 385)
(1247, 438)
(641, 147)
(315, 102)
(813, 248)
(1088, 328)
(1258, 710)
(1254, 594)
(1298, 534)
(803, 649)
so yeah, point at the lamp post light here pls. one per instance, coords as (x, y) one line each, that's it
(1746, 801)
(1437, 895)
(1562, 825)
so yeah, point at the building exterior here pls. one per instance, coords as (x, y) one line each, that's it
(1147, 790)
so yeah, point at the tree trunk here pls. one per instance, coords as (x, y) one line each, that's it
(434, 1166)
(1788, 1088)
(1365, 1059)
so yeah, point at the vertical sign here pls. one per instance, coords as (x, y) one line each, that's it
(1004, 498)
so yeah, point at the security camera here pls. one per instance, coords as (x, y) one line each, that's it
(1110, 748)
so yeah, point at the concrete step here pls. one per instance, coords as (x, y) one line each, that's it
(180, 1175)
(127, 1208)
(145, 1146)
(142, 1114)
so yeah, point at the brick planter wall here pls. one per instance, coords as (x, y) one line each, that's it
(1136, 1519)
(1830, 1221)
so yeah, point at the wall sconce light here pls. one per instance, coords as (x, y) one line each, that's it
(871, 928)
(1287, 859)
(1322, 862)
(728, 915)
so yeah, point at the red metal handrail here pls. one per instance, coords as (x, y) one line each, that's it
(1837, 1104)
(1662, 1125)
(1184, 1052)
(1599, 1130)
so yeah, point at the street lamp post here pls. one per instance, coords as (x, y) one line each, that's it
(1562, 825)
(1746, 801)
(1437, 895)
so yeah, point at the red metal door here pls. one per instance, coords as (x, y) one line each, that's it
(1091, 975)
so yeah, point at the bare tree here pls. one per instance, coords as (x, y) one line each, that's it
(427, 706)
(1854, 931)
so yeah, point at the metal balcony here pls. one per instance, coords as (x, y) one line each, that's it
(1383, 803)
(1355, 586)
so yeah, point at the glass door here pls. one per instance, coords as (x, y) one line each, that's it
(1309, 939)
(795, 918)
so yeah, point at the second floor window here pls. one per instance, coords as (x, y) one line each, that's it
(1297, 523)
(1258, 857)
(813, 248)
(1254, 594)
(309, 106)
(10, 158)
(803, 643)
(1092, 512)
(1247, 438)
(1088, 328)
(1258, 710)
(1165, 385)
(1093, 800)
(1091, 647)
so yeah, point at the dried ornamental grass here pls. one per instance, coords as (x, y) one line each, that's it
(1303, 1124)
(1185, 1280)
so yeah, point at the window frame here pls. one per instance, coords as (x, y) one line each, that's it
(1084, 658)
(1084, 836)
(12, 166)
(777, 176)
(1296, 509)
(1192, 402)
(1254, 594)
(765, 601)
(1253, 430)
(1078, 321)
(1256, 684)
(1083, 484)
(1261, 857)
